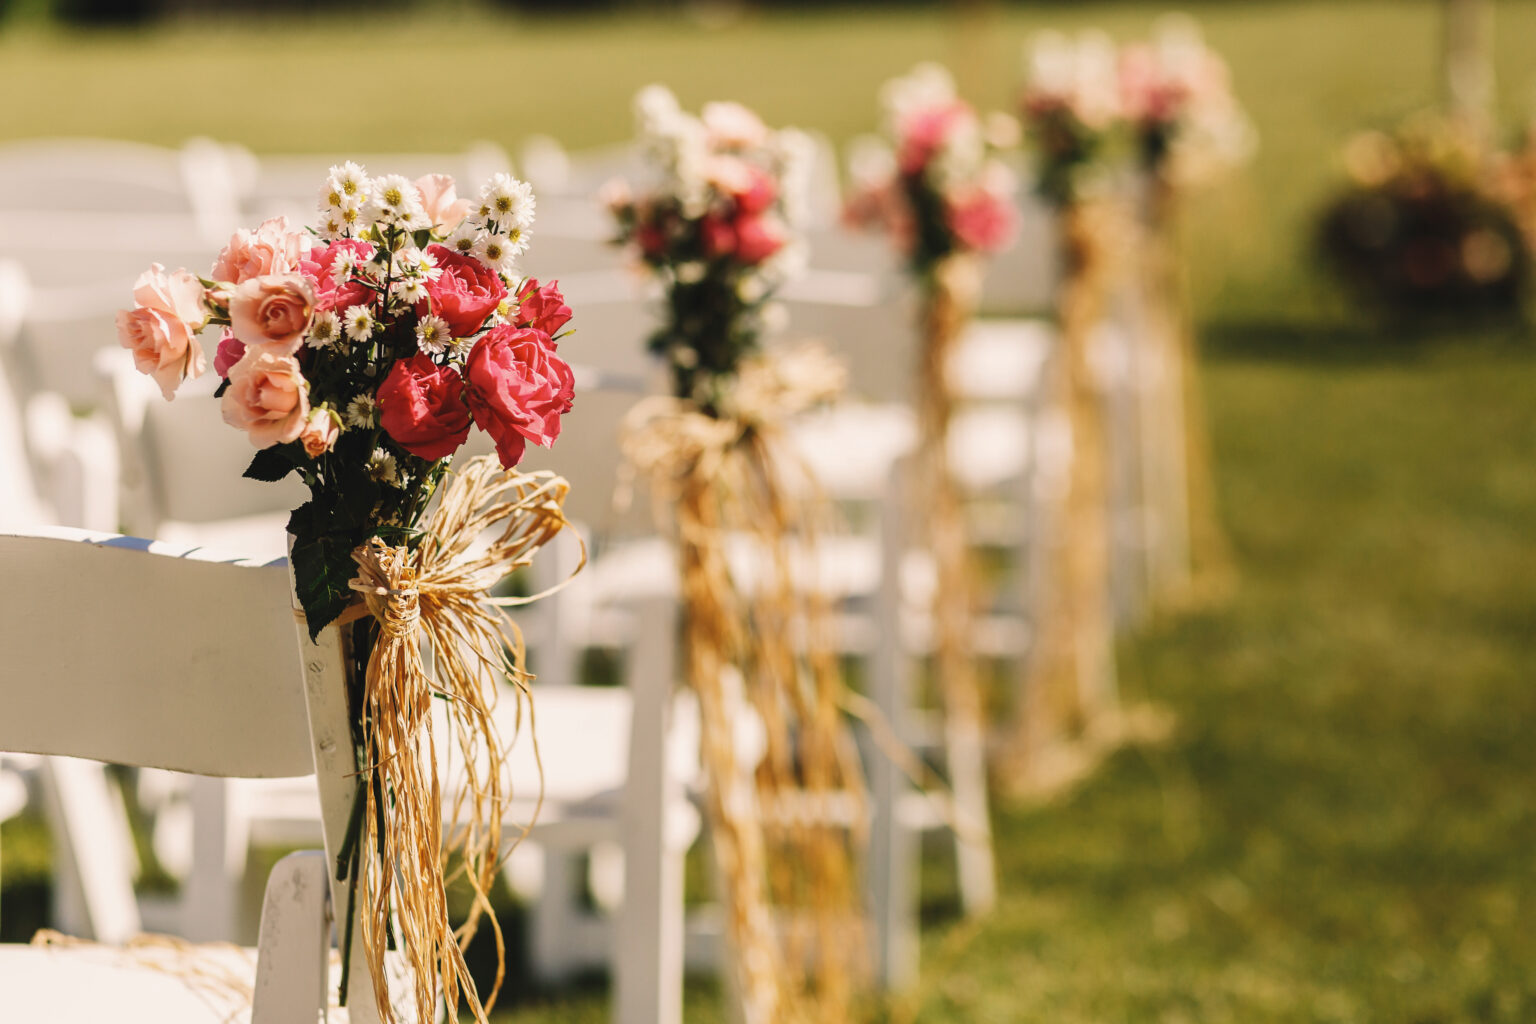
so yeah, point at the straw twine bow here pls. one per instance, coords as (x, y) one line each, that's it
(734, 475)
(433, 597)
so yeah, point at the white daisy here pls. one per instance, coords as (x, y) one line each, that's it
(396, 200)
(409, 290)
(412, 262)
(463, 239)
(359, 412)
(433, 335)
(324, 331)
(382, 467)
(359, 323)
(507, 201)
(350, 180)
(691, 272)
(343, 266)
(497, 251)
(332, 227)
(460, 347)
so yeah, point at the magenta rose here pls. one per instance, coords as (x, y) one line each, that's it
(757, 238)
(320, 267)
(542, 307)
(982, 221)
(421, 406)
(518, 389)
(230, 351)
(759, 195)
(464, 294)
(717, 236)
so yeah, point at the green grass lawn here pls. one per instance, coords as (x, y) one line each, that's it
(1343, 827)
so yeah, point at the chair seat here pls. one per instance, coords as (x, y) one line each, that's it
(170, 983)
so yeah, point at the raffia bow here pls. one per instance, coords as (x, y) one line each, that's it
(433, 599)
(734, 474)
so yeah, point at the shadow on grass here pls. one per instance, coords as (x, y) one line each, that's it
(1355, 344)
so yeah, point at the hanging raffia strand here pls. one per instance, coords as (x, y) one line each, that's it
(787, 836)
(432, 600)
(949, 302)
(1208, 571)
(1070, 676)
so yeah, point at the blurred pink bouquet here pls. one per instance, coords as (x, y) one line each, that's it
(1072, 109)
(717, 226)
(1176, 98)
(945, 190)
(359, 354)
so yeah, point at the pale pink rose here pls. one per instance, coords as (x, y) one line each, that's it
(442, 203)
(267, 398)
(320, 432)
(270, 249)
(733, 126)
(231, 350)
(160, 329)
(272, 313)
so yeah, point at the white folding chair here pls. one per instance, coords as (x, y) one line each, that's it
(213, 676)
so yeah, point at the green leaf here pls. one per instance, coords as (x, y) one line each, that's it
(272, 464)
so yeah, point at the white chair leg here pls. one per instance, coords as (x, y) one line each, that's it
(90, 827)
(648, 962)
(552, 923)
(891, 879)
(294, 947)
(209, 913)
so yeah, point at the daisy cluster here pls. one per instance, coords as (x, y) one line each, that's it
(946, 188)
(717, 223)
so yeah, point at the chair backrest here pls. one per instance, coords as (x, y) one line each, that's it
(122, 650)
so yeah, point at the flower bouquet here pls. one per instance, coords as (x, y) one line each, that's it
(716, 228)
(359, 356)
(947, 191)
(947, 200)
(718, 231)
(1176, 100)
(1071, 108)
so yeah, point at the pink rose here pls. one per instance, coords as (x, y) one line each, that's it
(231, 349)
(270, 249)
(320, 432)
(159, 329)
(464, 294)
(518, 389)
(542, 307)
(982, 221)
(757, 238)
(319, 267)
(421, 406)
(267, 398)
(273, 312)
(717, 236)
(442, 203)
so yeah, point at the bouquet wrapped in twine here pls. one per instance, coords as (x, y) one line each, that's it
(359, 355)
(717, 229)
(946, 198)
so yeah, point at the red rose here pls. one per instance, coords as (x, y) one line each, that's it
(757, 238)
(651, 238)
(543, 308)
(717, 236)
(421, 406)
(464, 294)
(518, 389)
(759, 196)
(319, 266)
